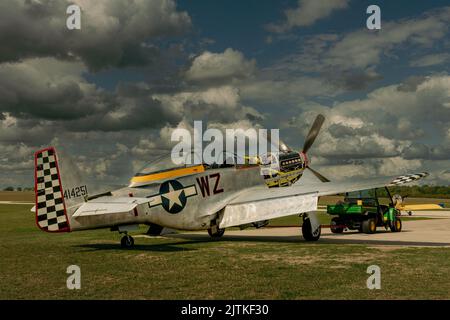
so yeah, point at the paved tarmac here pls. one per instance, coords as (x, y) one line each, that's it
(433, 232)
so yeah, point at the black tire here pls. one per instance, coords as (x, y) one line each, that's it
(127, 242)
(334, 222)
(307, 231)
(397, 225)
(154, 230)
(369, 226)
(218, 233)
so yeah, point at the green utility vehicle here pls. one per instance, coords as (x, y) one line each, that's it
(362, 211)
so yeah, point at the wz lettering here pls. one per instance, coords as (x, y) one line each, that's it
(203, 183)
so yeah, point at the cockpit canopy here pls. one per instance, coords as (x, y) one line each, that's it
(167, 163)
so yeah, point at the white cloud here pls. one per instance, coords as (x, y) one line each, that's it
(113, 33)
(220, 66)
(430, 60)
(364, 49)
(378, 135)
(307, 13)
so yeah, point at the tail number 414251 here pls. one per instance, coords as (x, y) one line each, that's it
(76, 192)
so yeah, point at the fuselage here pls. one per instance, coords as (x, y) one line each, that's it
(189, 198)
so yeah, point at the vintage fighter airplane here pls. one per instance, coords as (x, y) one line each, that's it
(191, 197)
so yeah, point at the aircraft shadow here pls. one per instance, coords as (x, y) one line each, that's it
(160, 247)
(328, 239)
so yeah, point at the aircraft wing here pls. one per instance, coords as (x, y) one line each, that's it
(262, 203)
(417, 207)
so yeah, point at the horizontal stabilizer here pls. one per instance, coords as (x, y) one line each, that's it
(108, 205)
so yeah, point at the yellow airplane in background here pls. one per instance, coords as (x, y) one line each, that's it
(409, 208)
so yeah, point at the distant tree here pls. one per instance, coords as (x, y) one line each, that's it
(9, 189)
(19, 189)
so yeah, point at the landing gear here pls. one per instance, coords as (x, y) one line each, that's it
(215, 232)
(308, 233)
(154, 230)
(127, 241)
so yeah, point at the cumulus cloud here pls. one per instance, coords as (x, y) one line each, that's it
(220, 104)
(307, 13)
(287, 90)
(50, 89)
(46, 89)
(210, 66)
(431, 60)
(360, 52)
(381, 133)
(112, 32)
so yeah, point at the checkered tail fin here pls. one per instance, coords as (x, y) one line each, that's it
(58, 191)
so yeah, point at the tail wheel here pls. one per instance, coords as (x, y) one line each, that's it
(215, 232)
(335, 226)
(397, 225)
(127, 241)
(369, 226)
(307, 232)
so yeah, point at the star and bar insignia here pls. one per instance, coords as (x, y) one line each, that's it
(172, 196)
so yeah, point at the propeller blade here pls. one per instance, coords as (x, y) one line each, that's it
(318, 175)
(313, 132)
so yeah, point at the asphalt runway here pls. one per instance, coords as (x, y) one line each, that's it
(415, 233)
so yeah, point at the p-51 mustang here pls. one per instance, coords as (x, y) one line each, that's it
(191, 197)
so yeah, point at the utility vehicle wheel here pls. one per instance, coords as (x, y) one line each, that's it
(369, 226)
(397, 225)
(216, 233)
(307, 231)
(127, 241)
(335, 226)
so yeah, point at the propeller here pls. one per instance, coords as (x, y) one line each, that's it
(310, 138)
(318, 175)
(313, 133)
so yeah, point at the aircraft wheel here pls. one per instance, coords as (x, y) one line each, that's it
(127, 241)
(334, 223)
(307, 233)
(216, 233)
(369, 226)
(397, 225)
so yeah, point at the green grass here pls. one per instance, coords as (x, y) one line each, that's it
(33, 266)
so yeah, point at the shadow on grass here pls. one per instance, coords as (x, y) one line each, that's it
(327, 239)
(160, 247)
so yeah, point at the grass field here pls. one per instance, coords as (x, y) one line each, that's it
(22, 196)
(33, 266)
